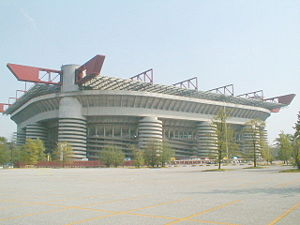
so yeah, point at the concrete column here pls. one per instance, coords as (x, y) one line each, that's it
(206, 139)
(72, 126)
(150, 130)
(21, 136)
(68, 78)
(73, 131)
(249, 137)
(36, 131)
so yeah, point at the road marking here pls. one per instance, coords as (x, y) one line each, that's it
(31, 214)
(126, 212)
(203, 212)
(212, 222)
(286, 213)
(112, 201)
(129, 212)
(77, 198)
(53, 210)
(176, 218)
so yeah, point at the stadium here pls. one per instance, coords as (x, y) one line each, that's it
(90, 110)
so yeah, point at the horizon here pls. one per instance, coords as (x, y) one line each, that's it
(254, 45)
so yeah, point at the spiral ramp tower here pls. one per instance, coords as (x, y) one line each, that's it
(206, 139)
(150, 131)
(73, 131)
(21, 136)
(36, 131)
(250, 140)
(72, 126)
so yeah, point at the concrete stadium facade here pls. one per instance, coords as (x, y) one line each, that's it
(113, 111)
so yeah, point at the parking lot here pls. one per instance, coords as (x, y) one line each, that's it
(178, 195)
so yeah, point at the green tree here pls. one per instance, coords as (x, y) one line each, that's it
(297, 127)
(253, 130)
(166, 154)
(63, 153)
(112, 155)
(33, 151)
(226, 144)
(296, 152)
(296, 143)
(152, 153)
(4, 151)
(138, 157)
(284, 144)
(267, 153)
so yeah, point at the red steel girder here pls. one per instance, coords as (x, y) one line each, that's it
(90, 69)
(31, 74)
(284, 99)
(2, 105)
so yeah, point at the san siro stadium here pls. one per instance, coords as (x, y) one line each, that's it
(89, 111)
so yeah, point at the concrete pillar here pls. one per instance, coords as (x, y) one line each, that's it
(68, 78)
(206, 140)
(73, 131)
(21, 136)
(249, 137)
(36, 131)
(71, 124)
(150, 130)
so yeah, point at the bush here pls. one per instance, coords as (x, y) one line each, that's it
(112, 155)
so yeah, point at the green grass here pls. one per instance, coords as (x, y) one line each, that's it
(290, 171)
(217, 170)
(252, 167)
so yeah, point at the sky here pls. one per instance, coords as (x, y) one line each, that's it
(253, 44)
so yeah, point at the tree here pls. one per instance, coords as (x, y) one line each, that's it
(296, 152)
(63, 153)
(296, 143)
(138, 157)
(152, 153)
(284, 144)
(297, 127)
(166, 154)
(4, 151)
(267, 153)
(33, 151)
(112, 155)
(253, 131)
(226, 145)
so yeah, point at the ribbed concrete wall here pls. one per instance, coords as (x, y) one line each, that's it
(73, 131)
(150, 130)
(206, 139)
(21, 136)
(250, 137)
(36, 131)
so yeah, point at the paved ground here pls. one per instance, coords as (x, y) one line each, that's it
(181, 195)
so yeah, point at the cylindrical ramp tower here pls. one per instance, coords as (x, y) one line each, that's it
(150, 130)
(73, 131)
(71, 123)
(250, 141)
(36, 131)
(21, 136)
(206, 139)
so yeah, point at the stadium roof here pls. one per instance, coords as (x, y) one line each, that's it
(111, 83)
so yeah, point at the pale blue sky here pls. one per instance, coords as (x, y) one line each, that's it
(253, 44)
